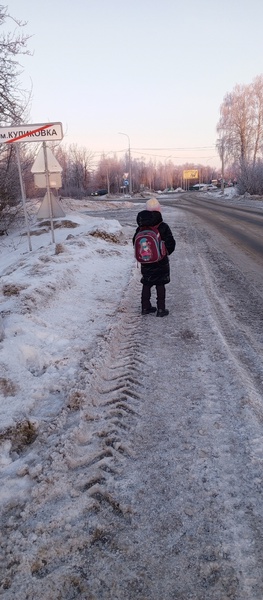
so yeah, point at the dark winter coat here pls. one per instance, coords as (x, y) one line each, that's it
(156, 273)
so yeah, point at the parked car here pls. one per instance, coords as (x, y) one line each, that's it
(198, 187)
(211, 187)
(99, 193)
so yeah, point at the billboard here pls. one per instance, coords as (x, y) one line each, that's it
(190, 174)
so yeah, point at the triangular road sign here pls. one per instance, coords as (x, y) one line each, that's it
(52, 163)
(44, 212)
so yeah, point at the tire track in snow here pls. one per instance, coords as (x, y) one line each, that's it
(161, 494)
(194, 483)
(234, 451)
(73, 499)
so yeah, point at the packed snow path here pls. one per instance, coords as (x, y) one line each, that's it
(148, 484)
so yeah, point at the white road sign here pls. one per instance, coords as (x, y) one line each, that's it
(52, 163)
(56, 208)
(45, 132)
(55, 180)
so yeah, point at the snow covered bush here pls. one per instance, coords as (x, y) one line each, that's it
(251, 179)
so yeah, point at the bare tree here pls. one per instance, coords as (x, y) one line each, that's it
(13, 103)
(240, 127)
(258, 116)
(250, 179)
(109, 173)
(83, 173)
(13, 99)
(77, 165)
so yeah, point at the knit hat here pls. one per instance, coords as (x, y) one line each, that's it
(153, 204)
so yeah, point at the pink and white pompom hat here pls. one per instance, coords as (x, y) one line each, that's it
(153, 204)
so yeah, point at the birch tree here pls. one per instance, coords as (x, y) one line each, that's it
(240, 127)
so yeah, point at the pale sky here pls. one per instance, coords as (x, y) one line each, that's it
(156, 70)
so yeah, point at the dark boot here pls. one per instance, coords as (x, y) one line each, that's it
(162, 312)
(147, 311)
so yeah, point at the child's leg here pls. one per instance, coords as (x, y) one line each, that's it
(160, 292)
(146, 297)
(147, 308)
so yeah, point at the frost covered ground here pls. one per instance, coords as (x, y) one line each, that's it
(55, 304)
(130, 447)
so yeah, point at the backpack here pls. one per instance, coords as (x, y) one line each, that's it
(148, 245)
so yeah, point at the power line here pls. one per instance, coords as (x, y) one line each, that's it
(182, 148)
(174, 157)
(178, 148)
(149, 152)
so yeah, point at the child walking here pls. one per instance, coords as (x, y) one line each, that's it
(158, 273)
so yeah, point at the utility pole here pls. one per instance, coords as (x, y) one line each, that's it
(129, 151)
(223, 166)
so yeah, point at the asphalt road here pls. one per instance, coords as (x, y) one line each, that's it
(240, 228)
(243, 226)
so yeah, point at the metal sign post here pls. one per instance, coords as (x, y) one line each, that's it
(188, 175)
(47, 165)
(40, 132)
(23, 196)
(48, 192)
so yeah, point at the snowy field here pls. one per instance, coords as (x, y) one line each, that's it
(56, 302)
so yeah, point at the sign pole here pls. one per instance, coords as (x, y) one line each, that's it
(33, 133)
(48, 192)
(23, 195)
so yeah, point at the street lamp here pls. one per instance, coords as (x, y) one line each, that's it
(130, 175)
